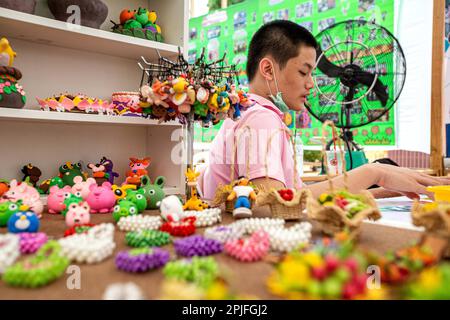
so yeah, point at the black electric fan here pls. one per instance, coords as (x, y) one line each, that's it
(361, 70)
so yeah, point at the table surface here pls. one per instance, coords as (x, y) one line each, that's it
(244, 278)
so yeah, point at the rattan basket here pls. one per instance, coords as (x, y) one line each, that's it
(223, 191)
(279, 207)
(436, 222)
(332, 218)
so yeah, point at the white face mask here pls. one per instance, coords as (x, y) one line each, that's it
(278, 98)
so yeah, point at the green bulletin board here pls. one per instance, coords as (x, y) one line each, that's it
(230, 31)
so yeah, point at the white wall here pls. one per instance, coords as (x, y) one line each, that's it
(414, 29)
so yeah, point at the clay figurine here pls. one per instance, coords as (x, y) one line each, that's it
(32, 174)
(81, 188)
(12, 94)
(7, 209)
(55, 200)
(120, 192)
(243, 193)
(78, 214)
(154, 193)
(23, 221)
(124, 208)
(137, 170)
(103, 171)
(171, 208)
(138, 198)
(68, 201)
(101, 199)
(67, 172)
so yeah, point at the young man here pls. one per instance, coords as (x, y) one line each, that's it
(281, 60)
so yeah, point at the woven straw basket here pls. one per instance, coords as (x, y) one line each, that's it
(333, 219)
(435, 222)
(223, 191)
(279, 207)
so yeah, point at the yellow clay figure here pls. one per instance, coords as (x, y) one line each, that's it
(212, 103)
(191, 176)
(152, 16)
(179, 87)
(7, 54)
(195, 203)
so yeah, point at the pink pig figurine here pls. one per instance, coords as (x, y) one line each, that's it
(101, 199)
(78, 214)
(55, 200)
(81, 188)
(28, 194)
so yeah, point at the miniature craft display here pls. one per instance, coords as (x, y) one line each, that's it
(203, 91)
(12, 94)
(92, 12)
(337, 210)
(286, 203)
(140, 23)
(79, 103)
(103, 171)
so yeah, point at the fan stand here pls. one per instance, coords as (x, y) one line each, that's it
(347, 134)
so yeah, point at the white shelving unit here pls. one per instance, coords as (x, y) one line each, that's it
(56, 57)
(71, 117)
(66, 35)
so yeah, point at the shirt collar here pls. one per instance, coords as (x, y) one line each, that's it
(266, 103)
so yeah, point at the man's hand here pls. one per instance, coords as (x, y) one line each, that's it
(406, 181)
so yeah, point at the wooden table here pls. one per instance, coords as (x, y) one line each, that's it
(248, 278)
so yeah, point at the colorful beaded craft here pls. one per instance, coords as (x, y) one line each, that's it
(141, 259)
(46, 266)
(147, 238)
(197, 245)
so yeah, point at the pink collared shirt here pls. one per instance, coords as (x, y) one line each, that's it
(248, 140)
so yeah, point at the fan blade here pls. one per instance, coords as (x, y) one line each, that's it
(367, 78)
(327, 67)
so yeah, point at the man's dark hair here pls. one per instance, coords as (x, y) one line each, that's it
(281, 39)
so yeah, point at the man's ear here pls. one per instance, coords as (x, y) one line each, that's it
(266, 69)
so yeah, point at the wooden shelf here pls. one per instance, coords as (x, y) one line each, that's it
(18, 25)
(70, 117)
